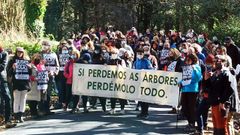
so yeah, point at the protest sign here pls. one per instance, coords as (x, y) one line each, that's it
(42, 80)
(63, 59)
(187, 75)
(22, 72)
(151, 86)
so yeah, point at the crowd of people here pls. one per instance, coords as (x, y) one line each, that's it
(209, 68)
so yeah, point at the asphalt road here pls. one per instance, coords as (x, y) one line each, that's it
(98, 123)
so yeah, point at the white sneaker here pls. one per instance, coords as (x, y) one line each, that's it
(122, 112)
(112, 111)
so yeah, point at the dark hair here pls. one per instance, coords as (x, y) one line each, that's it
(193, 57)
(140, 50)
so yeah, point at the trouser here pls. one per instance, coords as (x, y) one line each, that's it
(102, 101)
(123, 102)
(219, 122)
(202, 113)
(33, 107)
(144, 108)
(188, 101)
(44, 105)
(61, 87)
(70, 97)
(84, 101)
(20, 98)
(68, 94)
(5, 96)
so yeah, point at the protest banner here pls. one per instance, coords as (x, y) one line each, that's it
(22, 72)
(151, 86)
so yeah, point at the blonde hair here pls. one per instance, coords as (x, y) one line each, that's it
(77, 53)
(175, 53)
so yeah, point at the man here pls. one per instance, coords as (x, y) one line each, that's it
(232, 51)
(4, 91)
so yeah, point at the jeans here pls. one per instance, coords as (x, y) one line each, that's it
(202, 113)
(6, 97)
(61, 87)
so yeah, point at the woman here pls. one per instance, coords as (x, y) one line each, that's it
(190, 87)
(20, 71)
(68, 73)
(175, 65)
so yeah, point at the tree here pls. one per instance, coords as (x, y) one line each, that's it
(35, 11)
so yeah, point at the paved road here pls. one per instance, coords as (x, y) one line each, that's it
(96, 122)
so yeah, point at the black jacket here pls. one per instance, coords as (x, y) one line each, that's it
(18, 84)
(219, 88)
(234, 53)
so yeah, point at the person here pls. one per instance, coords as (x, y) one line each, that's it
(152, 58)
(164, 55)
(52, 66)
(20, 71)
(100, 57)
(117, 61)
(175, 65)
(221, 83)
(222, 50)
(142, 63)
(63, 57)
(87, 59)
(190, 88)
(4, 91)
(209, 48)
(202, 102)
(232, 51)
(34, 96)
(68, 74)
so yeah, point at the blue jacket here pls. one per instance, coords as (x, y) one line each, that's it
(143, 63)
(196, 77)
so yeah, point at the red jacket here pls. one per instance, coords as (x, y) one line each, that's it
(68, 71)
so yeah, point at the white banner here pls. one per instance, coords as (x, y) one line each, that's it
(151, 86)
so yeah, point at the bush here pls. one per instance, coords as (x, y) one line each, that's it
(230, 27)
(31, 48)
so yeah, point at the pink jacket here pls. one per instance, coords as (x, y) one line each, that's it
(68, 71)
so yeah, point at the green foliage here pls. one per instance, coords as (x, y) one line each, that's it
(50, 37)
(35, 11)
(230, 27)
(53, 18)
(31, 48)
